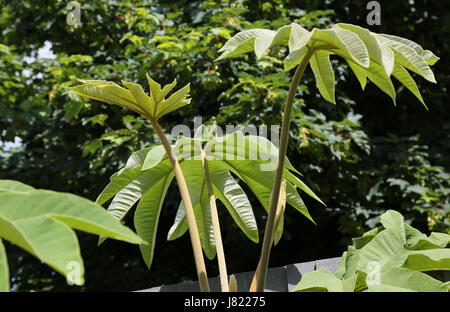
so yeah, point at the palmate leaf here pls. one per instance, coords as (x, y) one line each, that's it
(248, 157)
(41, 222)
(397, 254)
(369, 55)
(134, 97)
(252, 159)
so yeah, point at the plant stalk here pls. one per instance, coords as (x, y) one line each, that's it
(186, 199)
(265, 252)
(279, 215)
(216, 225)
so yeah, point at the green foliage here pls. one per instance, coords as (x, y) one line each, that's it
(135, 99)
(148, 173)
(40, 222)
(369, 55)
(345, 152)
(391, 257)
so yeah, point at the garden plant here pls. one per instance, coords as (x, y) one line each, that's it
(391, 257)
(148, 174)
(370, 56)
(41, 222)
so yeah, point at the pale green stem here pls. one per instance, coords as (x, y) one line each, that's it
(216, 225)
(265, 252)
(186, 199)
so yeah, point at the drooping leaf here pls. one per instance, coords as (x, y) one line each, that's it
(378, 76)
(369, 55)
(408, 58)
(402, 75)
(360, 73)
(195, 179)
(4, 270)
(324, 74)
(148, 210)
(427, 55)
(244, 156)
(230, 193)
(40, 222)
(390, 257)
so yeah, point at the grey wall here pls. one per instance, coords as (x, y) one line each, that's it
(280, 279)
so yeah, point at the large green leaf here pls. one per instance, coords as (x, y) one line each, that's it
(377, 75)
(248, 157)
(231, 194)
(408, 58)
(370, 55)
(40, 222)
(391, 257)
(427, 55)
(149, 188)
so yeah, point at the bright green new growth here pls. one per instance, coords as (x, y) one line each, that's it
(147, 175)
(41, 222)
(388, 258)
(370, 55)
(134, 97)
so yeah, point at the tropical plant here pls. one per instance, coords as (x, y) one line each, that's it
(390, 257)
(207, 162)
(41, 222)
(153, 107)
(370, 56)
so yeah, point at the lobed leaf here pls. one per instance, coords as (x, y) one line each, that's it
(324, 74)
(42, 226)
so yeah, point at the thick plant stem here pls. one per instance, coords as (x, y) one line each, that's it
(278, 216)
(186, 199)
(215, 220)
(265, 252)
